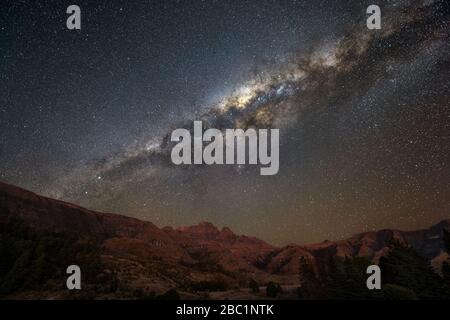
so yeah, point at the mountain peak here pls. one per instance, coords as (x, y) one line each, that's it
(203, 227)
(226, 231)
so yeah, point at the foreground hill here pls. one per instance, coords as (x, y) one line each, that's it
(128, 258)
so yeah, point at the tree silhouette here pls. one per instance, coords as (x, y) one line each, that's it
(310, 285)
(403, 267)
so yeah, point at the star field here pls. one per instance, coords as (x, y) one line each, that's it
(364, 115)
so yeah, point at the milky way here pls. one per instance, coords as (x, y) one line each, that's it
(363, 114)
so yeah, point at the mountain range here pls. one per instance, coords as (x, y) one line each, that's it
(142, 259)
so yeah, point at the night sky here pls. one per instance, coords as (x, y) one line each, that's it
(364, 115)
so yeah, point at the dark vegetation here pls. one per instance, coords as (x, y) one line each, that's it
(253, 285)
(37, 261)
(404, 275)
(273, 290)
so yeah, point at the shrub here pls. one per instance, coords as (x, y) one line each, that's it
(273, 289)
(253, 285)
